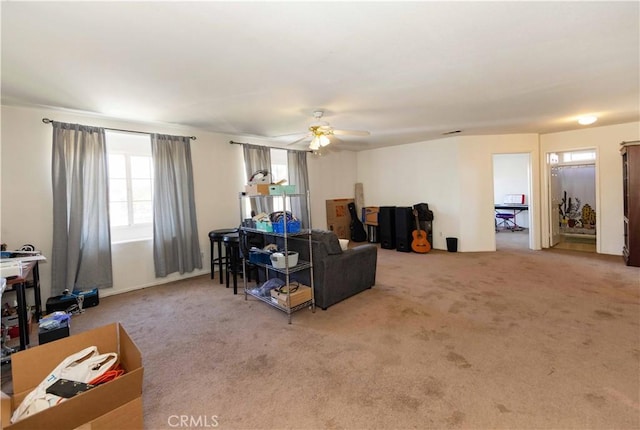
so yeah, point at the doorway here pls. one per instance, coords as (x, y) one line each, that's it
(511, 186)
(572, 194)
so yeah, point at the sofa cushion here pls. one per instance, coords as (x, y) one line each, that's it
(328, 239)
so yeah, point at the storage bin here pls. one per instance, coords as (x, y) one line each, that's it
(264, 226)
(259, 257)
(277, 190)
(278, 260)
(293, 226)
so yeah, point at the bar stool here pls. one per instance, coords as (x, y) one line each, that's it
(233, 260)
(215, 237)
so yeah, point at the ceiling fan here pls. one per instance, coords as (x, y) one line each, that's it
(319, 132)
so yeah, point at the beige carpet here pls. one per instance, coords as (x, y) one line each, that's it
(515, 339)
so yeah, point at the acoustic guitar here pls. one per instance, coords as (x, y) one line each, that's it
(420, 243)
(358, 233)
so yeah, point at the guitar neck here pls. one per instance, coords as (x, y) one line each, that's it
(417, 222)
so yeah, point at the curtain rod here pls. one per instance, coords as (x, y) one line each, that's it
(49, 121)
(298, 150)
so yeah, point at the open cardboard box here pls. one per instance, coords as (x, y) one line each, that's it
(339, 218)
(301, 295)
(117, 401)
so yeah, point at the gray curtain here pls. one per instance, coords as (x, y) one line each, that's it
(81, 257)
(257, 158)
(176, 246)
(299, 176)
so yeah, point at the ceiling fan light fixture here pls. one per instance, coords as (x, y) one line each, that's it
(315, 143)
(324, 140)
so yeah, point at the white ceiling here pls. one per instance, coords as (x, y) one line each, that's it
(405, 71)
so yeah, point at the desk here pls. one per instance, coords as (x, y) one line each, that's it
(516, 208)
(19, 285)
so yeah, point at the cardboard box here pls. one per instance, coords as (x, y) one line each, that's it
(118, 400)
(127, 416)
(338, 217)
(301, 295)
(371, 215)
(257, 189)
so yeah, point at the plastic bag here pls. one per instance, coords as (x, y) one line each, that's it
(82, 366)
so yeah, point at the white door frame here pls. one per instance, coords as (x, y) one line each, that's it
(547, 204)
(531, 200)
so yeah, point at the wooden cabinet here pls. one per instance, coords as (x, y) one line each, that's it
(631, 195)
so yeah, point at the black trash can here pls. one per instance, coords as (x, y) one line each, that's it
(452, 244)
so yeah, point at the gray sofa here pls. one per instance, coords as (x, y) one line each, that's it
(337, 274)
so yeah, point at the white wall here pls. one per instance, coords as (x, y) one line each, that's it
(423, 172)
(606, 140)
(454, 176)
(26, 197)
(476, 172)
(331, 176)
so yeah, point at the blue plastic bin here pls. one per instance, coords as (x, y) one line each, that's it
(293, 226)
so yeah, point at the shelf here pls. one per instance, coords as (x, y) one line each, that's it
(284, 243)
(270, 302)
(302, 232)
(302, 265)
(272, 195)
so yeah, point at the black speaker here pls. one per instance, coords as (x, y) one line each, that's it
(404, 227)
(425, 217)
(387, 227)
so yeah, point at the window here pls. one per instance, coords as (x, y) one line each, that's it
(279, 171)
(279, 165)
(577, 156)
(130, 186)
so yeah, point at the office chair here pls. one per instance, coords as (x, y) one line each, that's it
(506, 221)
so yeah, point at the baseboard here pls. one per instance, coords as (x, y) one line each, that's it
(106, 292)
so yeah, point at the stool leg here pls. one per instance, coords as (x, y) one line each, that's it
(227, 263)
(213, 265)
(220, 262)
(235, 271)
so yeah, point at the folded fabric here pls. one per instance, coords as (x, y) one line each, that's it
(82, 366)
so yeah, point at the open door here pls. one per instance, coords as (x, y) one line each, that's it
(554, 193)
(572, 199)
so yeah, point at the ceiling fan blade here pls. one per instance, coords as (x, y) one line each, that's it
(334, 140)
(289, 135)
(306, 136)
(351, 132)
